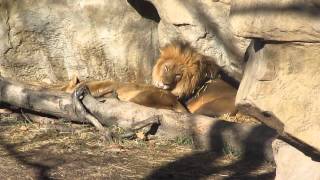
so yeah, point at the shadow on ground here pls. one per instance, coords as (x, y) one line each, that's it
(250, 163)
(27, 152)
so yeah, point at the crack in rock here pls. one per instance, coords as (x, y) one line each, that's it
(9, 33)
(183, 24)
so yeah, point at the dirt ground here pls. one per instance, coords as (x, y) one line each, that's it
(68, 151)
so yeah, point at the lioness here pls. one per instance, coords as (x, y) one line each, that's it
(142, 94)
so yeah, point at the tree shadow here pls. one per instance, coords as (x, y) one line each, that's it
(212, 27)
(38, 160)
(200, 165)
(253, 142)
(309, 9)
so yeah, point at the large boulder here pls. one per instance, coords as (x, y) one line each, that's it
(281, 87)
(204, 23)
(54, 40)
(293, 164)
(289, 20)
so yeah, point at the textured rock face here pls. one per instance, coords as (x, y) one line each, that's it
(53, 40)
(205, 24)
(281, 88)
(288, 20)
(281, 84)
(293, 164)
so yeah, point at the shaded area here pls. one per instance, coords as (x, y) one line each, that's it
(252, 158)
(307, 8)
(254, 144)
(31, 151)
(41, 167)
(212, 27)
(227, 42)
(145, 9)
(273, 121)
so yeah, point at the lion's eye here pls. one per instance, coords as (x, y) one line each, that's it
(178, 77)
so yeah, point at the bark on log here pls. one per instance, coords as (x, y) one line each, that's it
(206, 131)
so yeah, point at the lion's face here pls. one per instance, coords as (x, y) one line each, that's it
(166, 74)
(177, 76)
(181, 69)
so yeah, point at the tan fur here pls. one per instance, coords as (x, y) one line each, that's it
(146, 95)
(71, 85)
(215, 99)
(179, 58)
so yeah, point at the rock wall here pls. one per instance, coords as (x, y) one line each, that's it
(281, 87)
(281, 84)
(206, 24)
(288, 20)
(293, 164)
(53, 40)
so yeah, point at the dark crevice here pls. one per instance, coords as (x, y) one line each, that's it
(266, 114)
(229, 79)
(145, 9)
(182, 24)
(258, 44)
(204, 36)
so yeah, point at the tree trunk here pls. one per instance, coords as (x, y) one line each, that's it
(206, 131)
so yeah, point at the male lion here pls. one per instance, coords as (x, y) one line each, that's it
(182, 70)
(185, 72)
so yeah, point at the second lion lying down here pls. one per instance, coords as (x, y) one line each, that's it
(142, 94)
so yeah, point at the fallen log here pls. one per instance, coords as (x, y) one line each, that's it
(206, 132)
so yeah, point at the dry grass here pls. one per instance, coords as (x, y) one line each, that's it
(239, 118)
(69, 151)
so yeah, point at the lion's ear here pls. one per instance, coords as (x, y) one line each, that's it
(161, 51)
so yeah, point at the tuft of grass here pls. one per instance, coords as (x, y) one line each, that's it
(229, 150)
(182, 140)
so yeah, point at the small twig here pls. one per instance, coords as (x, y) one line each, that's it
(25, 116)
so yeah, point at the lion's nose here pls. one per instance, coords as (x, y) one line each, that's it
(161, 85)
(166, 86)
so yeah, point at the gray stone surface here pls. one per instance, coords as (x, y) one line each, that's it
(54, 40)
(293, 164)
(204, 23)
(281, 87)
(288, 20)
